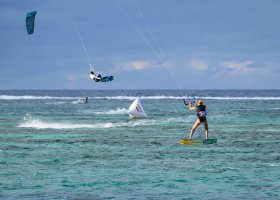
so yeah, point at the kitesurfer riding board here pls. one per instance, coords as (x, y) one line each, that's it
(201, 116)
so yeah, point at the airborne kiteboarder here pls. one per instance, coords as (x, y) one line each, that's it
(99, 77)
(95, 77)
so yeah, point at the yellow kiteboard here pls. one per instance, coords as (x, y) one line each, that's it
(198, 141)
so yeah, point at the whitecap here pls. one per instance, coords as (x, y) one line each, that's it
(157, 97)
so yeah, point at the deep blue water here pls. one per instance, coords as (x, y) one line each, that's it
(55, 146)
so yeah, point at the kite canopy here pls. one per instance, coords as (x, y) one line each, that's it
(30, 19)
(136, 110)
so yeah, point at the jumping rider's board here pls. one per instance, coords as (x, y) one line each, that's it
(107, 78)
(198, 141)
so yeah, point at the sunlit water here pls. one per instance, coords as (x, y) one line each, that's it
(55, 146)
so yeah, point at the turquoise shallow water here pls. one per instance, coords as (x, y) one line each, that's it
(54, 146)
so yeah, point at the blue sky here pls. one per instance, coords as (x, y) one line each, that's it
(145, 44)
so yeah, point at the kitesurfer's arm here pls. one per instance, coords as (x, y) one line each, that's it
(185, 102)
(191, 107)
(99, 77)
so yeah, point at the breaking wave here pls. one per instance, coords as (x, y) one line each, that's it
(160, 97)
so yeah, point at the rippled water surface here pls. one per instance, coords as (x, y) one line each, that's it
(55, 146)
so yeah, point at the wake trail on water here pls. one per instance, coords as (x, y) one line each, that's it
(32, 122)
(79, 101)
(118, 111)
(39, 124)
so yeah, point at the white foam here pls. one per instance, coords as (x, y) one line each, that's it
(78, 101)
(272, 164)
(162, 97)
(141, 97)
(241, 98)
(158, 97)
(31, 122)
(30, 97)
(118, 111)
(38, 124)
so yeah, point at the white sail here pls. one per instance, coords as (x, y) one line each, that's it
(136, 110)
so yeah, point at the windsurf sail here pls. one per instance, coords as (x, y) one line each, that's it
(136, 110)
(30, 22)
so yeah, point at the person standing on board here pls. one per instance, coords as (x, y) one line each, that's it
(201, 117)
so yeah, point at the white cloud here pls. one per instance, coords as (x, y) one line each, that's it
(138, 65)
(199, 65)
(235, 68)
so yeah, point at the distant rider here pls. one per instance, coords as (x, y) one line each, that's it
(201, 117)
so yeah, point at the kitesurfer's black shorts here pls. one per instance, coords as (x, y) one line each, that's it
(202, 119)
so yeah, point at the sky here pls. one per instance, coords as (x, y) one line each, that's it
(144, 44)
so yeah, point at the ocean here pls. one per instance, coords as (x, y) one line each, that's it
(53, 145)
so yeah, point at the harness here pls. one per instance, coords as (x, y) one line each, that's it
(201, 111)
